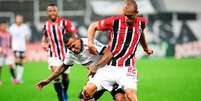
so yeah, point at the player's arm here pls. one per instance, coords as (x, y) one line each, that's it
(102, 25)
(44, 41)
(144, 44)
(55, 74)
(106, 57)
(105, 54)
(91, 34)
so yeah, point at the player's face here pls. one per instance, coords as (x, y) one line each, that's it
(74, 45)
(3, 27)
(52, 13)
(19, 19)
(130, 12)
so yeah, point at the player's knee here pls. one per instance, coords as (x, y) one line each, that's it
(131, 94)
(120, 97)
(89, 91)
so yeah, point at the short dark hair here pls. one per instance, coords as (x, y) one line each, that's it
(67, 36)
(52, 4)
(3, 21)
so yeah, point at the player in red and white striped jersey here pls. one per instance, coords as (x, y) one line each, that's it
(6, 53)
(125, 32)
(52, 41)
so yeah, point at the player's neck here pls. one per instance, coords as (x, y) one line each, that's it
(54, 21)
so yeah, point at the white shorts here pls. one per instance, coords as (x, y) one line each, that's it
(7, 60)
(53, 61)
(107, 76)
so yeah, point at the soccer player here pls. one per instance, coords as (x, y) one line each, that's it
(6, 54)
(79, 54)
(19, 34)
(52, 41)
(124, 33)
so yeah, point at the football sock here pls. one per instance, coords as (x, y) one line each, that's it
(20, 70)
(65, 82)
(58, 89)
(12, 72)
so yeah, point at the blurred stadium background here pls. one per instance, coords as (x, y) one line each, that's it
(173, 31)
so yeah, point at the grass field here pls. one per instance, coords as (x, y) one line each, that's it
(159, 80)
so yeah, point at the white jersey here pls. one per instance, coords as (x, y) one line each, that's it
(84, 57)
(19, 34)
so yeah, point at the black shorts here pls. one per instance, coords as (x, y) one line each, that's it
(20, 54)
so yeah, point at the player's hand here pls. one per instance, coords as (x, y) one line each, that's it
(41, 84)
(92, 69)
(45, 46)
(92, 49)
(149, 51)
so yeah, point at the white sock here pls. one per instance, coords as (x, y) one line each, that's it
(20, 70)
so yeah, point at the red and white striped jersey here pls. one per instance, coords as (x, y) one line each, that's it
(5, 39)
(122, 39)
(54, 31)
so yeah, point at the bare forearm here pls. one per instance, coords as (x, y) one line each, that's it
(57, 73)
(143, 42)
(91, 32)
(104, 59)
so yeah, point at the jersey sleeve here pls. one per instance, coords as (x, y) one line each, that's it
(106, 24)
(143, 22)
(99, 46)
(27, 31)
(68, 59)
(69, 27)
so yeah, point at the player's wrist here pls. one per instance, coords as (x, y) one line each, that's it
(146, 49)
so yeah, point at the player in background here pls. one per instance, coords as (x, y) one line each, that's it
(6, 54)
(52, 41)
(20, 34)
(79, 54)
(124, 33)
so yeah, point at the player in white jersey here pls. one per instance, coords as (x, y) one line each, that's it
(79, 54)
(20, 34)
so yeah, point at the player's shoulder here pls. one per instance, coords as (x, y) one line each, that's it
(141, 18)
(65, 19)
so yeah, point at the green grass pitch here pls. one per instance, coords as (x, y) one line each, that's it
(159, 80)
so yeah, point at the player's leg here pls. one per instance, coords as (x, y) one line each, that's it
(12, 71)
(89, 90)
(117, 93)
(65, 83)
(129, 82)
(131, 94)
(1, 66)
(9, 60)
(96, 96)
(1, 82)
(55, 63)
(58, 85)
(19, 57)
